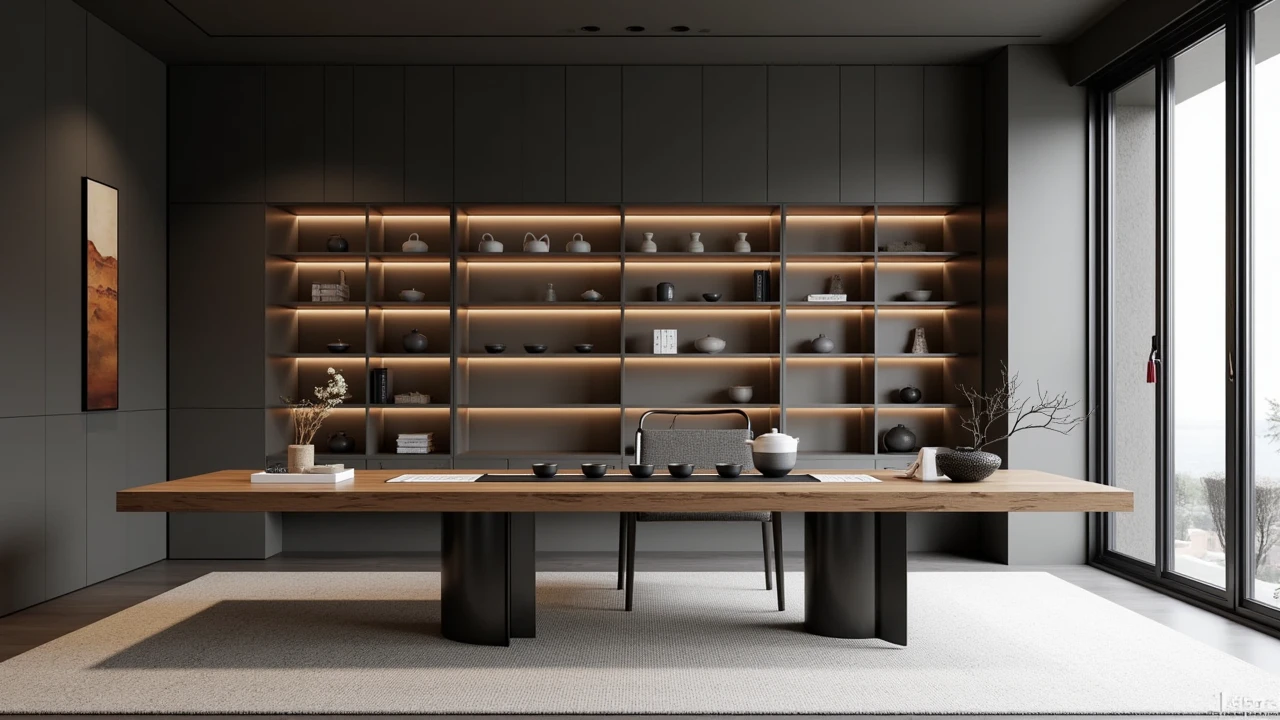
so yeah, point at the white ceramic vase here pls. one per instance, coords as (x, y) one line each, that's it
(648, 245)
(742, 245)
(709, 344)
(695, 242)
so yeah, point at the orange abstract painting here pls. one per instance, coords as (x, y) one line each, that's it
(102, 294)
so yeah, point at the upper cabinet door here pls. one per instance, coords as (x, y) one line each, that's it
(488, 127)
(378, 134)
(952, 134)
(339, 117)
(735, 134)
(858, 134)
(216, 134)
(542, 135)
(295, 134)
(662, 134)
(593, 134)
(899, 97)
(804, 134)
(428, 134)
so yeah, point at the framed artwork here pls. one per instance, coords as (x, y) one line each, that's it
(100, 213)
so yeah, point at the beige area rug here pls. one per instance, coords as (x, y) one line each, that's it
(697, 643)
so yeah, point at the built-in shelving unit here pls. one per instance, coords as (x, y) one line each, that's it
(487, 409)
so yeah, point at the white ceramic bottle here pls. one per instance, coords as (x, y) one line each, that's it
(742, 245)
(695, 242)
(648, 245)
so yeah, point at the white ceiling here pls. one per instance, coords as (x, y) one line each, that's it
(549, 31)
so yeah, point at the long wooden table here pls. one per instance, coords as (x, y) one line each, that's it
(855, 533)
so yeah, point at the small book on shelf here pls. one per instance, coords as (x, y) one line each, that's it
(828, 297)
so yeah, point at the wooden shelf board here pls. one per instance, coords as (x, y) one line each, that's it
(857, 304)
(520, 353)
(916, 406)
(410, 406)
(820, 356)
(916, 257)
(411, 305)
(404, 257)
(928, 305)
(703, 304)
(437, 452)
(585, 455)
(409, 355)
(826, 257)
(547, 306)
(643, 356)
(544, 406)
(751, 257)
(319, 356)
(832, 406)
(701, 406)
(354, 304)
(518, 257)
(325, 257)
(913, 356)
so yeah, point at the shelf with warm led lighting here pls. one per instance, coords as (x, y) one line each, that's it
(830, 305)
(308, 305)
(917, 356)
(703, 305)
(701, 356)
(521, 355)
(802, 356)
(744, 257)
(412, 356)
(405, 305)
(540, 305)
(322, 257)
(926, 305)
(921, 257)
(319, 356)
(840, 258)
(523, 257)
(409, 257)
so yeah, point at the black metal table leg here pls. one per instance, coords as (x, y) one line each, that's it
(524, 577)
(856, 575)
(475, 577)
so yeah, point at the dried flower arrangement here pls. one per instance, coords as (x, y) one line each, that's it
(309, 415)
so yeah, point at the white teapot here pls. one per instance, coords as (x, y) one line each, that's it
(413, 244)
(774, 453)
(578, 245)
(533, 243)
(489, 245)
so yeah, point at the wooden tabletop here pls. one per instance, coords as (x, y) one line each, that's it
(1005, 491)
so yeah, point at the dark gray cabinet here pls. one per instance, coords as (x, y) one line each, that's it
(662, 134)
(899, 138)
(339, 119)
(216, 134)
(509, 134)
(952, 134)
(542, 135)
(428, 134)
(735, 134)
(378, 135)
(593, 134)
(294, 134)
(857, 134)
(804, 134)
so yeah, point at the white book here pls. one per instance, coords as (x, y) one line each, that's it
(413, 451)
(303, 478)
(828, 297)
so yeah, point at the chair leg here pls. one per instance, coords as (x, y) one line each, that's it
(622, 548)
(631, 558)
(768, 571)
(777, 559)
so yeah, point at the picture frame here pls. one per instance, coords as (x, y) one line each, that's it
(100, 287)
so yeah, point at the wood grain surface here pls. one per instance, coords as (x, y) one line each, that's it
(1005, 491)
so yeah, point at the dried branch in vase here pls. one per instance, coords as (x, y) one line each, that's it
(309, 415)
(1043, 411)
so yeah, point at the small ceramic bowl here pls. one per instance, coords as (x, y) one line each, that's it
(641, 471)
(741, 393)
(728, 470)
(680, 470)
(711, 297)
(584, 347)
(595, 470)
(917, 295)
(412, 295)
(535, 349)
(338, 347)
(545, 470)
(495, 348)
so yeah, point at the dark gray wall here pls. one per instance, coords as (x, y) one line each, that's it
(1124, 28)
(80, 100)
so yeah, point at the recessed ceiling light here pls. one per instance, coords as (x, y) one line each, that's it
(679, 28)
(635, 28)
(590, 28)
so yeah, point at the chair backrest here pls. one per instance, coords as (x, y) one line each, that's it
(704, 447)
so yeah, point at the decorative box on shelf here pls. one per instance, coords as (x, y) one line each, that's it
(415, 443)
(332, 292)
(413, 398)
(664, 342)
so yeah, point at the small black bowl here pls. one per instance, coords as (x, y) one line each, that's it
(495, 348)
(535, 349)
(728, 470)
(595, 470)
(584, 347)
(640, 470)
(545, 470)
(680, 470)
(711, 297)
(339, 347)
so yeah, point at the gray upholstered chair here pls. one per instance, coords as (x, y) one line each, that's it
(704, 447)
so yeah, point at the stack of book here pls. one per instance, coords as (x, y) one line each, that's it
(332, 292)
(413, 443)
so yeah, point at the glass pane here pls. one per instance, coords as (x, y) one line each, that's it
(1132, 313)
(1266, 303)
(1197, 352)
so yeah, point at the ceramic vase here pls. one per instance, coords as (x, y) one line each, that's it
(967, 465)
(648, 245)
(695, 242)
(709, 344)
(919, 345)
(909, 394)
(301, 457)
(666, 292)
(823, 344)
(337, 244)
(899, 439)
(549, 295)
(742, 245)
(340, 442)
(415, 342)
(533, 243)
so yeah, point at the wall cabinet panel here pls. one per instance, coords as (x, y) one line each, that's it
(216, 132)
(593, 134)
(488, 139)
(952, 134)
(662, 134)
(899, 142)
(735, 134)
(858, 134)
(542, 135)
(295, 114)
(804, 134)
(107, 472)
(22, 528)
(428, 139)
(66, 503)
(378, 135)
(339, 129)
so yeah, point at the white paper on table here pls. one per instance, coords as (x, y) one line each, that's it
(433, 478)
(844, 478)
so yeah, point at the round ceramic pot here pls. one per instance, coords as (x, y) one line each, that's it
(489, 245)
(709, 345)
(967, 464)
(578, 245)
(413, 244)
(415, 342)
(413, 295)
(774, 464)
(909, 394)
(899, 439)
(337, 243)
(341, 442)
(665, 292)
(823, 344)
(741, 393)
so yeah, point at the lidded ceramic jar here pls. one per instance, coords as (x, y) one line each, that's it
(774, 453)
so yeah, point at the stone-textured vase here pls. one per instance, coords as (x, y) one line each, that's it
(919, 345)
(301, 457)
(967, 465)
(899, 439)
